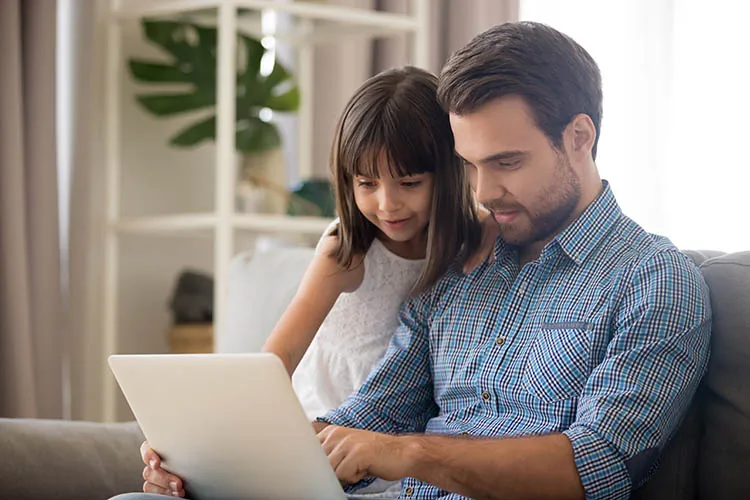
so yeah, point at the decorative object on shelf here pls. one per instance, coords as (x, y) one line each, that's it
(196, 338)
(192, 298)
(192, 49)
(314, 198)
(192, 306)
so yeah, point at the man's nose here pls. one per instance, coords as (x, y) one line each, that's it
(487, 188)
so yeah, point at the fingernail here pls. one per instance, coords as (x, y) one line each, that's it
(152, 463)
(175, 493)
(173, 485)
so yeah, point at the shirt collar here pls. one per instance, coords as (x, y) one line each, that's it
(583, 234)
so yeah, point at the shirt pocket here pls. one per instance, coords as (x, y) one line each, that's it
(559, 360)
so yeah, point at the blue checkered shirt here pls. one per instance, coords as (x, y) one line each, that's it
(604, 338)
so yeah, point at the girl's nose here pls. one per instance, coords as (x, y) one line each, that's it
(390, 200)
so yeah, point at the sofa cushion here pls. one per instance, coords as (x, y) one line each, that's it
(725, 446)
(260, 287)
(63, 460)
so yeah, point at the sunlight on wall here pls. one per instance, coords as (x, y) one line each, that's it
(676, 110)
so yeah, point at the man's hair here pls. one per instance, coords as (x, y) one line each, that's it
(394, 117)
(555, 76)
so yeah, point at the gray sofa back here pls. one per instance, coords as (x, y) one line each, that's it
(709, 457)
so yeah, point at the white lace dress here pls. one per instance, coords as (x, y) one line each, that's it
(356, 333)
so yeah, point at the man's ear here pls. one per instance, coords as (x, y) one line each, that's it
(580, 135)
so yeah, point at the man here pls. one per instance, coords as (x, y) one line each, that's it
(562, 364)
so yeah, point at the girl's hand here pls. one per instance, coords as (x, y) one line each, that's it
(156, 479)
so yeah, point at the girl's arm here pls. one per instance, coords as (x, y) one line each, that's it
(321, 286)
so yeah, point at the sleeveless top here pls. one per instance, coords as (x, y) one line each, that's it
(355, 334)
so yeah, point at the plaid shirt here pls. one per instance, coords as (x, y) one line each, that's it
(604, 338)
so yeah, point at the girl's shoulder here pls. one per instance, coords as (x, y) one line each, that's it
(327, 264)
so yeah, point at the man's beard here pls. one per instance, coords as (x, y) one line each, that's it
(556, 204)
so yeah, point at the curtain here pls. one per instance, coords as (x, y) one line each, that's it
(86, 38)
(32, 329)
(675, 110)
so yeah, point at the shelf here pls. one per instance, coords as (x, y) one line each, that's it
(190, 223)
(281, 223)
(307, 10)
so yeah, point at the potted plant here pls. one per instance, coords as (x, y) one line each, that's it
(191, 51)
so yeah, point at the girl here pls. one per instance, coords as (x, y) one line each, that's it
(406, 213)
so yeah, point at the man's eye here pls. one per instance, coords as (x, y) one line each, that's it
(509, 164)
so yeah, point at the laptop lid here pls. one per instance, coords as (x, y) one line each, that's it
(229, 424)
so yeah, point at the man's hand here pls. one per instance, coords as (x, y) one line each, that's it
(355, 454)
(156, 479)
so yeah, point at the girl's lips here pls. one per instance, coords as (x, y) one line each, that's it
(395, 224)
(505, 217)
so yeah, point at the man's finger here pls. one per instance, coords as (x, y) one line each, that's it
(325, 432)
(335, 456)
(348, 471)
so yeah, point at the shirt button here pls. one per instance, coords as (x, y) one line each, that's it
(486, 396)
(500, 340)
(408, 491)
(522, 288)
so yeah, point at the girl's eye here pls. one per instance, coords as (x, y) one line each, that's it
(411, 184)
(364, 183)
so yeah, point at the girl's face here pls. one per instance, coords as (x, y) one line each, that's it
(399, 207)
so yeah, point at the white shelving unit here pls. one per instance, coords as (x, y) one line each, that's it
(318, 22)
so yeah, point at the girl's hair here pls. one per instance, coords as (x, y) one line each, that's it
(396, 116)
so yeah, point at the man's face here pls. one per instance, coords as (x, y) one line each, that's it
(528, 185)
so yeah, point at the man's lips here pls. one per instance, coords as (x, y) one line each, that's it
(505, 216)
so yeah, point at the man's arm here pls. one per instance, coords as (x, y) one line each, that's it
(539, 467)
(398, 395)
(534, 467)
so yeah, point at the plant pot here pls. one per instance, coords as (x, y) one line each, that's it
(262, 185)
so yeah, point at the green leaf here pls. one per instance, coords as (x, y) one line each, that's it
(288, 101)
(255, 135)
(279, 74)
(170, 36)
(176, 103)
(205, 61)
(148, 71)
(248, 84)
(195, 134)
(192, 52)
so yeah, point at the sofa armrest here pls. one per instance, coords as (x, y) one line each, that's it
(61, 460)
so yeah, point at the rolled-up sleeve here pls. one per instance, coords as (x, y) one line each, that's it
(637, 396)
(398, 395)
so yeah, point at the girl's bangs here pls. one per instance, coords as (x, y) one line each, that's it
(405, 150)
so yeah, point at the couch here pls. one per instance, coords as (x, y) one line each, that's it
(708, 459)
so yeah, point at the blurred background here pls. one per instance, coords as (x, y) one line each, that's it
(145, 144)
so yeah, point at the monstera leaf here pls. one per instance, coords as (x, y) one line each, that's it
(192, 53)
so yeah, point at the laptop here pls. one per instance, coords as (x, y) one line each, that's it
(229, 424)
